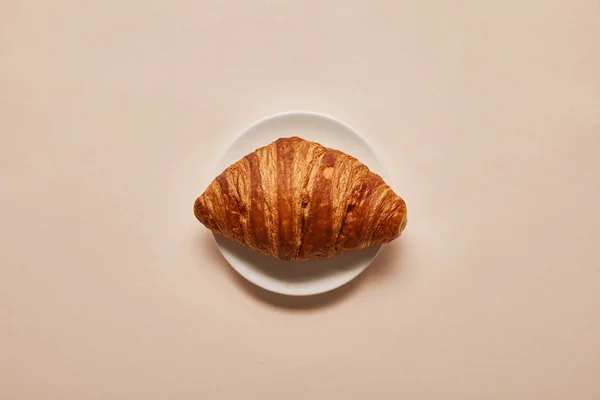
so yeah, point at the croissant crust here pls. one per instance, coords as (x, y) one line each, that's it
(297, 200)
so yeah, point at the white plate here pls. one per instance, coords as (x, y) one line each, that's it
(290, 277)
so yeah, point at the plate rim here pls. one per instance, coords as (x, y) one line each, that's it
(383, 172)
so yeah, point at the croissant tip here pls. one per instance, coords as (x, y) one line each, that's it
(403, 224)
(197, 209)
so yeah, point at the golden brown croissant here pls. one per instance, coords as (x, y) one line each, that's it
(297, 200)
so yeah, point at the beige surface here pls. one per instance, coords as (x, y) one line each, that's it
(486, 113)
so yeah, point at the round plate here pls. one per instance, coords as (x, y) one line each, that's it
(291, 277)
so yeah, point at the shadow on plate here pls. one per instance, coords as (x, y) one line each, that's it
(381, 268)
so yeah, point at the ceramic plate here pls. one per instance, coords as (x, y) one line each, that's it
(290, 277)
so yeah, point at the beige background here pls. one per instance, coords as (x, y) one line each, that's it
(113, 114)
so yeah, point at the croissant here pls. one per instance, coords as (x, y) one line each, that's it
(297, 200)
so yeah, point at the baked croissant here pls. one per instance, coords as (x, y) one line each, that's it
(297, 200)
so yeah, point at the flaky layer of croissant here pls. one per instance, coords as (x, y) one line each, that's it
(297, 200)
